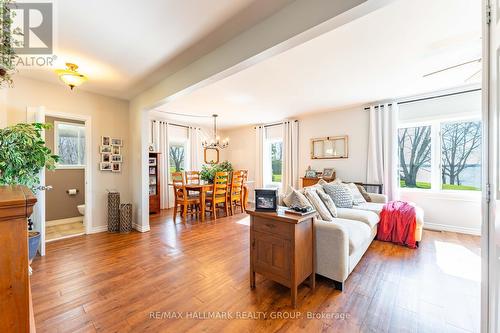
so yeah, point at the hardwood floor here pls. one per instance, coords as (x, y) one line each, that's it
(132, 282)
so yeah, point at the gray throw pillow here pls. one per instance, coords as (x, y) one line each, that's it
(328, 203)
(340, 194)
(357, 197)
(294, 198)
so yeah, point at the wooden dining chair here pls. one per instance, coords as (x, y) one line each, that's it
(219, 194)
(193, 177)
(235, 194)
(188, 204)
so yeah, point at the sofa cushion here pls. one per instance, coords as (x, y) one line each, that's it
(357, 197)
(340, 194)
(358, 233)
(363, 192)
(372, 207)
(294, 198)
(330, 205)
(314, 199)
(369, 218)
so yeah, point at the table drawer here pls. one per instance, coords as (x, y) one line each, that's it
(282, 229)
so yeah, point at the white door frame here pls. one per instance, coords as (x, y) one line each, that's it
(88, 161)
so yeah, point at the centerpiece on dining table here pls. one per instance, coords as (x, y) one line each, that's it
(208, 171)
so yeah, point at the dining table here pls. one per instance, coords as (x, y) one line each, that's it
(204, 188)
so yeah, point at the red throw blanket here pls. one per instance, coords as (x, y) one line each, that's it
(397, 224)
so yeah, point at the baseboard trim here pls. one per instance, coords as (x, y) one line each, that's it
(64, 221)
(141, 228)
(101, 228)
(450, 228)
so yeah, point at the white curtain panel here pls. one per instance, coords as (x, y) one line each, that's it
(160, 139)
(382, 162)
(259, 154)
(290, 155)
(194, 136)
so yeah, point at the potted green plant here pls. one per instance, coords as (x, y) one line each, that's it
(208, 171)
(23, 155)
(8, 42)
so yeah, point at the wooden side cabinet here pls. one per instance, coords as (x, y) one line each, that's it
(154, 183)
(16, 205)
(282, 249)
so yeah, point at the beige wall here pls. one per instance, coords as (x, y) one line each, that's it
(352, 122)
(109, 116)
(58, 203)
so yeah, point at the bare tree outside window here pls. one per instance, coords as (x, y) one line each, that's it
(277, 161)
(176, 157)
(70, 142)
(461, 155)
(415, 157)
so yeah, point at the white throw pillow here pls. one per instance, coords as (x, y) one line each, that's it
(313, 197)
(294, 198)
(330, 205)
(357, 197)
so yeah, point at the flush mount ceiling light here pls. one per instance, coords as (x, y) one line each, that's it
(215, 143)
(70, 75)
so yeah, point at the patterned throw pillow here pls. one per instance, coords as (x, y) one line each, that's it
(363, 192)
(313, 197)
(294, 198)
(340, 194)
(357, 197)
(328, 203)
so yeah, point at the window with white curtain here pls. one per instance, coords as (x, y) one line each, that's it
(440, 143)
(273, 156)
(177, 148)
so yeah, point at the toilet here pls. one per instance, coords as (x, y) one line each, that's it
(81, 209)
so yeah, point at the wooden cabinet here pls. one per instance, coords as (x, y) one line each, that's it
(312, 181)
(154, 183)
(282, 249)
(16, 205)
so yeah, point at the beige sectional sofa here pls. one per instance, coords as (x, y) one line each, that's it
(341, 243)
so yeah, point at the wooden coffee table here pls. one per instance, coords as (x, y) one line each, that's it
(282, 249)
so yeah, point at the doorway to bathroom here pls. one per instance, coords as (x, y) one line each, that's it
(66, 185)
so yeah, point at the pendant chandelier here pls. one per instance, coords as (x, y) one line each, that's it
(215, 143)
(70, 75)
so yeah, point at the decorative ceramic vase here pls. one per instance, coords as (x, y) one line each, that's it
(33, 243)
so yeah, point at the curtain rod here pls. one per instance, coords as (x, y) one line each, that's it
(431, 97)
(276, 124)
(166, 122)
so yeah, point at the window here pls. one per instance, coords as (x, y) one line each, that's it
(273, 156)
(441, 155)
(415, 157)
(276, 161)
(461, 156)
(69, 144)
(177, 156)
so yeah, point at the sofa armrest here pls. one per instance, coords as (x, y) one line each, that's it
(332, 250)
(378, 198)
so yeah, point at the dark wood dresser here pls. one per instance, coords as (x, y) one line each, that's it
(282, 249)
(16, 205)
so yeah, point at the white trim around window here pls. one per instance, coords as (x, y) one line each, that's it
(436, 183)
(56, 145)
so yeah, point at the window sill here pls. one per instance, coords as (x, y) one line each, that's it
(68, 167)
(454, 193)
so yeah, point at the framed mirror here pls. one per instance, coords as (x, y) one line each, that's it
(211, 155)
(330, 147)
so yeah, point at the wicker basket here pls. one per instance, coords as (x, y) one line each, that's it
(113, 211)
(125, 217)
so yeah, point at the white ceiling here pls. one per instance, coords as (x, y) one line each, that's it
(125, 46)
(380, 56)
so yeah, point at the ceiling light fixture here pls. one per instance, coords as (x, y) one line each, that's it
(215, 143)
(70, 75)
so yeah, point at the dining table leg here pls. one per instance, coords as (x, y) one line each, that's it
(202, 199)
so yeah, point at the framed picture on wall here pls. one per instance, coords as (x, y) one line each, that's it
(152, 161)
(106, 158)
(105, 166)
(116, 142)
(116, 158)
(116, 167)
(105, 141)
(116, 150)
(105, 149)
